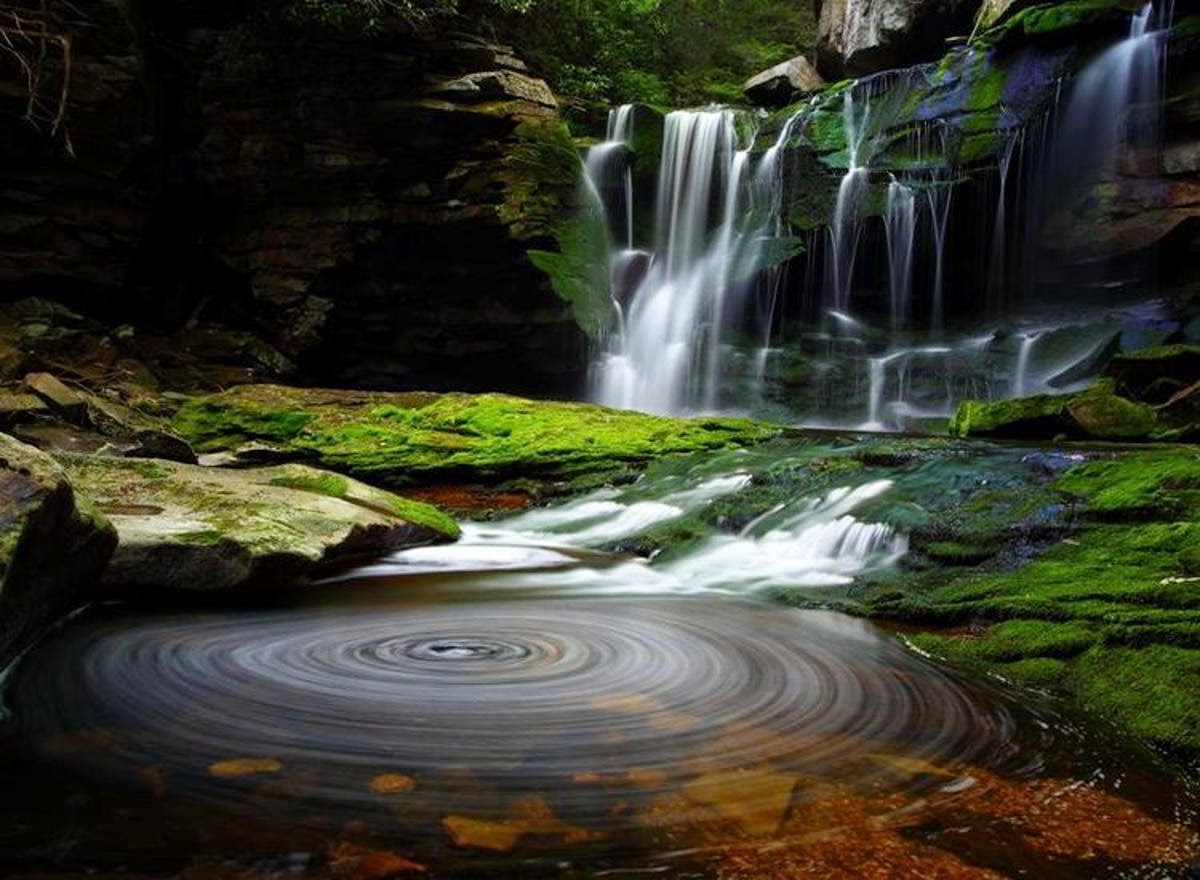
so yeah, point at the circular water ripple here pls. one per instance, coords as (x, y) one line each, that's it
(519, 696)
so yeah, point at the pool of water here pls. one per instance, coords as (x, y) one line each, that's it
(532, 703)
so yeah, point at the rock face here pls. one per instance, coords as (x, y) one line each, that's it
(778, 85)
(365, 203)
(857, 37)
(52, 545)
(189, 528)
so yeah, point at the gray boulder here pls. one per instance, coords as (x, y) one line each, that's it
(184, 527)
(53, 545)
(778, 85)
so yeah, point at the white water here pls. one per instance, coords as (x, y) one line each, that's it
(900, 224)
(666, 355)
(1113, 103)
(810, 542)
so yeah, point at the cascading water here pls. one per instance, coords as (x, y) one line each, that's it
(1114, 102)
(893, 275)
(900, 223)
(665, 356)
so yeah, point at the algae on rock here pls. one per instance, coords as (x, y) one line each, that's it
(189, 528)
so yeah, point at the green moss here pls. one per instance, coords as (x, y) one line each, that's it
(978, 418)
(330, 485)
(203, 537)
(543, 202)
(986, 88)
(1096, 413)
(1187, 27)
(1157, 485)
(421, 514)
(1019, 639)
(1116, 607)
(1152, 690)
(1052, 18)
(221, 429)
(401, 439)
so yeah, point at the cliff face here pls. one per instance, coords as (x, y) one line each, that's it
(364, 203)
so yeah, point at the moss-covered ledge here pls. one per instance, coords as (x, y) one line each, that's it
(405, 439)
(1109, 613)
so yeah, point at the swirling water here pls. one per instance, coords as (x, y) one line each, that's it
(530, 702)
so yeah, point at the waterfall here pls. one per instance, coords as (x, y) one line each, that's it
(844, 231)
(1021, 372)
(705, 315)
(1114, 101)
(712, 216)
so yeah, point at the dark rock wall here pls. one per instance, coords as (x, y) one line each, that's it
(360, 201)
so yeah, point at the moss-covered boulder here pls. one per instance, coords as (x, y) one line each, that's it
(1097, 413)
(53, 545)
(189, 528)
(400, 439)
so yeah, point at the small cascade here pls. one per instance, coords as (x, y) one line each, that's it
(1021, 371)
(1113, 104)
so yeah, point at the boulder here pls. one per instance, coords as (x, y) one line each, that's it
(778, 85)
(1094, 414)
(858, 37)
(189, 528)
(59, 396)
(53, 545)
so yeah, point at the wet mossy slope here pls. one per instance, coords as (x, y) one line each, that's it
(1109, 610)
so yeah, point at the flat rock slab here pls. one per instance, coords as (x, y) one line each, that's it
(184, 527)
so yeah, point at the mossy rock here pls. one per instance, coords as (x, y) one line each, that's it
(1156, 374)
(189, 528)
(53, 545)
(400, 439)
(1046, 20)
(1096, 414)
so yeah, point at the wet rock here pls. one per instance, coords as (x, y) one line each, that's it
(1097, 414)
(16, 408)
(53, 545)
(66, 401)
(856, 37)
(189, 528)
(777, 86)
(1156, 374)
